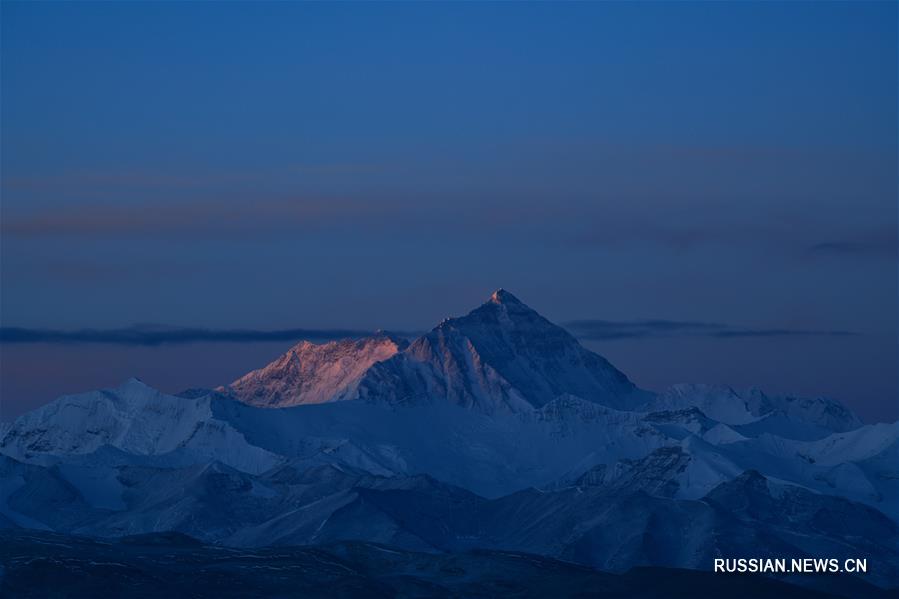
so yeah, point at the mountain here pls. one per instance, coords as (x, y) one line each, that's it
(310, 373)
(133, 417)
(753, 412)
(489, 454)
(496, 430)
(135, 420)
(631, 518)
(502, 356)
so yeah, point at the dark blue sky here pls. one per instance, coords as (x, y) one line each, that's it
(355, 166)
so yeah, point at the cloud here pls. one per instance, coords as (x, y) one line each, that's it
(643, 329)
(94, 182)
(186, 219)
(149, 335)
(155, 335)
(857, 248)
(580, 219)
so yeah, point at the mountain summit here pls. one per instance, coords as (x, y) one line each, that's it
(501, 356)
(501, 296)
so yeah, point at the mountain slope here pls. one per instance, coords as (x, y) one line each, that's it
(630, 518)
(502, 356)
(753, 412)
(134, 419)
(310, 373)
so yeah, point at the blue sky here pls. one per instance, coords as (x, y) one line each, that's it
(274, 166)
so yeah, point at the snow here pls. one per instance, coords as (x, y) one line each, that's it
(855, 446)
(752, 413)
(311, 373)
(719, 403)
(495, 402)
(501, 357)
(132, 417)
(721, 434)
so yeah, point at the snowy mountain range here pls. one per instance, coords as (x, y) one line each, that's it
(495, 430)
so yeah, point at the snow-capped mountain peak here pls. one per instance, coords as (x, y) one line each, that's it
(314, 373)
(502, 356)
(133, 416)
(501, 296)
